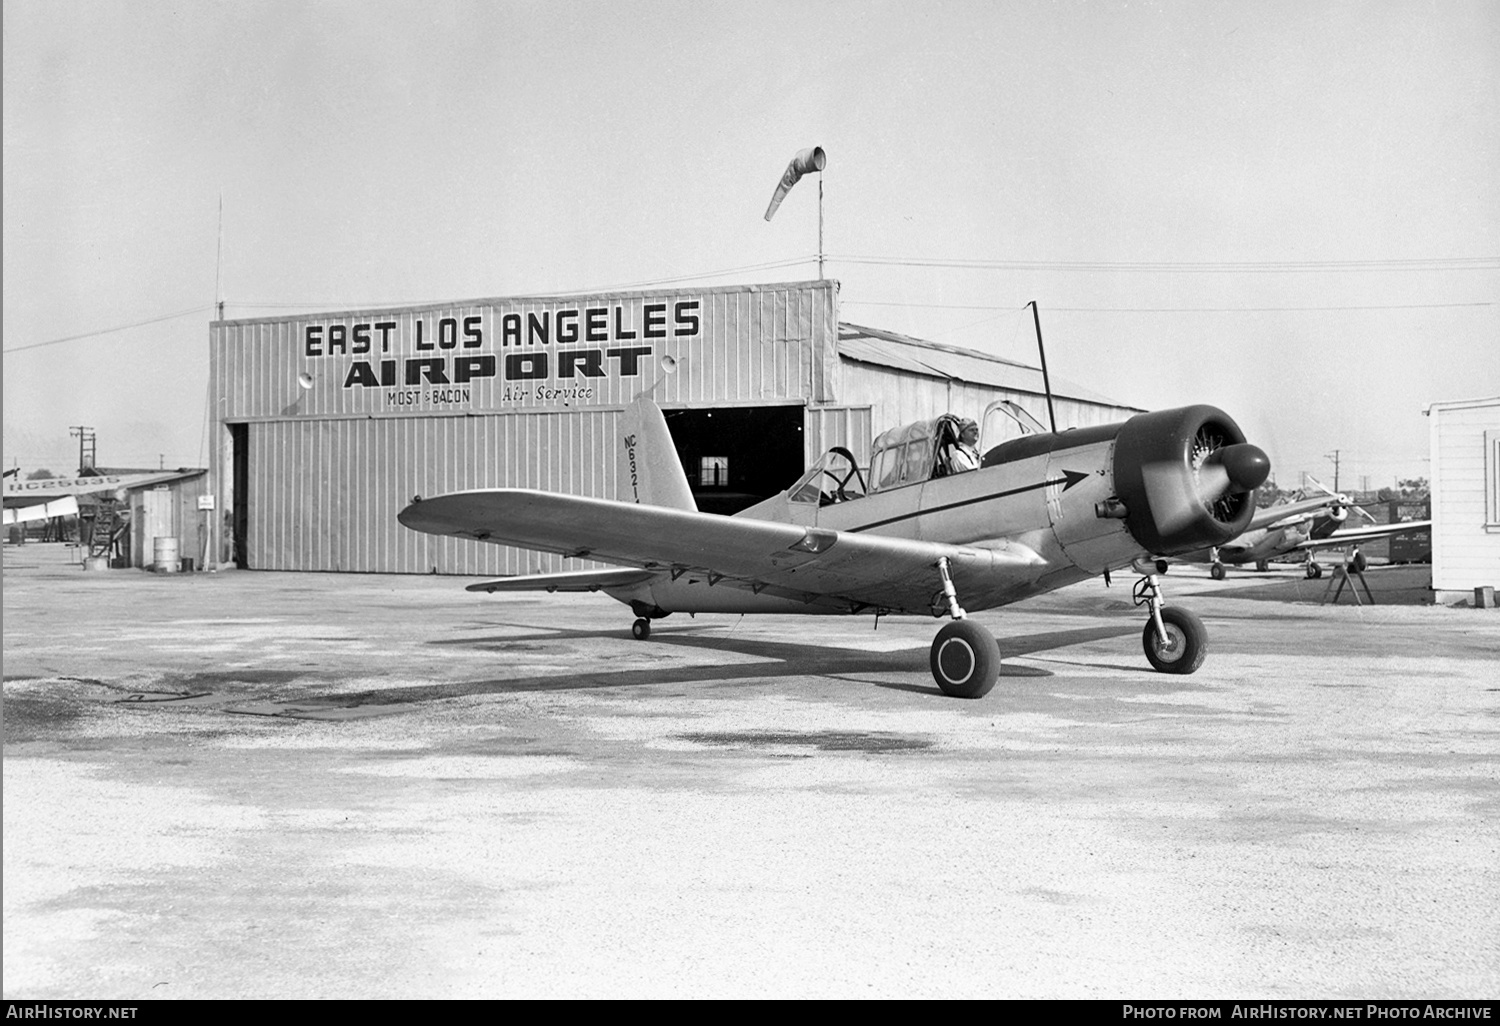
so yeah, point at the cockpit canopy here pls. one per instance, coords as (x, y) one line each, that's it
(834, 478)
(909, 454)
(906, 455)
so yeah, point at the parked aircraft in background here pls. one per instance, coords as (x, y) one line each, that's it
(1045, 510)
(1307, 525)
(58, 496)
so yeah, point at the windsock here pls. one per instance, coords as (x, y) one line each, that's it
(811, 159)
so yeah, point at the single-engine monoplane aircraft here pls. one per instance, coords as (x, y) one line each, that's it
(1303, 526)
(1045, 510)
(58, 496)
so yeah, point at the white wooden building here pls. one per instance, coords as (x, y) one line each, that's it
(1465, 481)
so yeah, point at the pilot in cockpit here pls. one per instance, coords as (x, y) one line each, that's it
(962, 455)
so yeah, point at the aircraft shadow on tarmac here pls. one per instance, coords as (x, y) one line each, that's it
(773, 659)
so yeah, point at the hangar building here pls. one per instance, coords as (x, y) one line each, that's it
(329, 424)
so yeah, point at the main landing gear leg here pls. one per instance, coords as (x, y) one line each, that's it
(965, 659)
(641, 629)
(1175, 639)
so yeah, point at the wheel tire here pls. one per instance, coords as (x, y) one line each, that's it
(1188, 637)
(1314, 571)
(1358, 563)
(965, 660)
(1262, 565)
(641, 629)
(1216, 571)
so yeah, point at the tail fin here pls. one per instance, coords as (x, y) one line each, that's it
(651, 473)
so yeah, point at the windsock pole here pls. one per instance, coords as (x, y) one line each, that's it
(805, 162)
(820, 227)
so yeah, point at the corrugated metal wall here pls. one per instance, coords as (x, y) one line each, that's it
(746, 344)
(324, 493)
(339, 442)
(827, 426)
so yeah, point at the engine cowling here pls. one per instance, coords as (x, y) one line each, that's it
(1187, 478)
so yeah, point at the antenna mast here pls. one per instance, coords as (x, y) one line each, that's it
(219, 262)
(1046, 381)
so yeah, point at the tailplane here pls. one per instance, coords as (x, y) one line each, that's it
(651, 473)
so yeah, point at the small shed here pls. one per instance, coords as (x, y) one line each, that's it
(168, 505)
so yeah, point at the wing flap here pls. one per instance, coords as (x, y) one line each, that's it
(572, 580)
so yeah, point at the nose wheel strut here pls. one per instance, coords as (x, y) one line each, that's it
(1175, 639)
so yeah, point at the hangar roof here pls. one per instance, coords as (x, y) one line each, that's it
(933, 359)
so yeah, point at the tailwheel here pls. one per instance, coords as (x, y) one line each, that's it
(641, 629)
(965, 660)
(1186, 643)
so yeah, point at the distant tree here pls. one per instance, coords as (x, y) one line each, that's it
(40, 475)
(1414, 488)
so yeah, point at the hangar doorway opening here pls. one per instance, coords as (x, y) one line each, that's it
(736, 456)
(239, 518)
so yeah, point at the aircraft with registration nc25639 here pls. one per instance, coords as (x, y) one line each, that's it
(1045, 510)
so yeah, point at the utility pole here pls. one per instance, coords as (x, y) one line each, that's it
(1335, 457)
(87, 454)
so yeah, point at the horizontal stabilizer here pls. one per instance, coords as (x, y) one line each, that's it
(572, 580)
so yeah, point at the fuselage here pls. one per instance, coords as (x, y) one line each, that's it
(1055, 509)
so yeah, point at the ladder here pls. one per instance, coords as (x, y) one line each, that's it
(109, 526)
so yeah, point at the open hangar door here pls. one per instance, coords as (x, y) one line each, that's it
(738, 455)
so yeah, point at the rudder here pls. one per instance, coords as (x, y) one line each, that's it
(651, 474)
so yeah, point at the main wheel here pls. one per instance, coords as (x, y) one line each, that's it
(641, 629)
(965, 660)
(1314, 571)
(1216, 571)
(1262, 565)
(1358, 563)
(1187, 641)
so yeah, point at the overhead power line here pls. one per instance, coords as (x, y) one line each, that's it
(110, 331)
(1171, 267)
(1160, 309)
(1190, 267)
(616, 287)
(704, 274)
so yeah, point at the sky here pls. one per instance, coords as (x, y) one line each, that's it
(1288, 209)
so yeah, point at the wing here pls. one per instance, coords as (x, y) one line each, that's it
(1274, 515)
(809, 563)
(1356, 535)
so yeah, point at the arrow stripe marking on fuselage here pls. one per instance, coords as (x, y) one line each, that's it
(957, 505)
